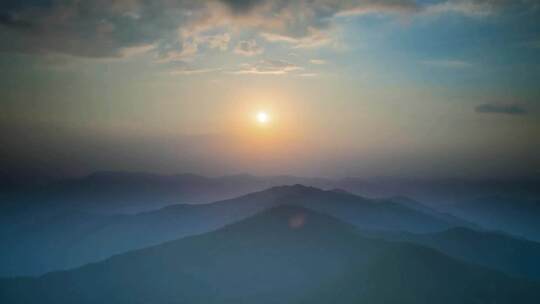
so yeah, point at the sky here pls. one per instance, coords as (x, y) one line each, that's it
(427, 88)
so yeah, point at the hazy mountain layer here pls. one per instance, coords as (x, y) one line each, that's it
(513, 214)
(42, 244)
(514, 256)
(285, 255)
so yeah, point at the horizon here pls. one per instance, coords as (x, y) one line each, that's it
(26, 177)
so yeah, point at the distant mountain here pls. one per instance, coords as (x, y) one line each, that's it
(284, 255)
(517, 215)
(440, 192)
(106, 193)
(130, 192)
(513, 256)
(72, 239)
(109, 192)
(444, 216)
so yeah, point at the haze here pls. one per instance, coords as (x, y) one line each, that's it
(353, 88)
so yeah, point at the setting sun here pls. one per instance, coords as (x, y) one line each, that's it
(262, 117)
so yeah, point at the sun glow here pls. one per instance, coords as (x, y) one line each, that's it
(262, 117)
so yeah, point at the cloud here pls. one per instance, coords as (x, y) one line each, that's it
(136, 50)
(492, 108)
(101, 28)
(447, 63)
(242, 6)
(368, 7)
(189, 46)
(267, 67)
(248, 48)
(220, 41)
(88, 28)
(469, 8)
(317, 61)
(308, 75)
(478, 8)
(181, 28)
(192, 71)
(187, 68)
(313, 39)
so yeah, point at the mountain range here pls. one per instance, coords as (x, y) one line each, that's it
(286, 254)
(119, 237)
(131, 192)
(44, 243)
(513, 256)
(517, 215)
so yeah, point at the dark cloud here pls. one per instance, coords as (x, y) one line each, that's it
(242, 6)
(7, 6)
(96, 28)
(103, 28)
(10, 8)
(510, 109)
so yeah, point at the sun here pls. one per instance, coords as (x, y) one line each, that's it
(262, 117)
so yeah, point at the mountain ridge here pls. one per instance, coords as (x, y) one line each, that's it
(273, 257)
(111, 235)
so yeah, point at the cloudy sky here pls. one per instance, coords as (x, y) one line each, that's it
(445, 88)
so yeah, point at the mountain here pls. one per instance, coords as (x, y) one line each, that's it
(73, 239)
(359, 211)
(131, 192)
(286, 254)
(444, 216)
(517, 215)
(498, 251)
(440, 192)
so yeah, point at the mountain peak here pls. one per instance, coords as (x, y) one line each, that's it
(297, 187)
(294, 189)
